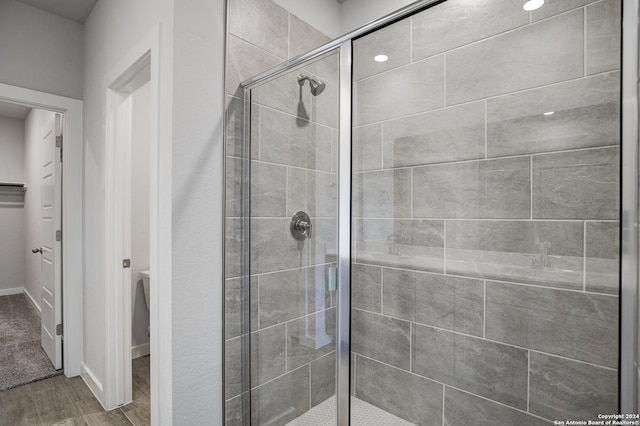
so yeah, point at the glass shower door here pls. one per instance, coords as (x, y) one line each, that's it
(293, 234)
(486, 204)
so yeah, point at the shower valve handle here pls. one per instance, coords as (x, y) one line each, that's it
(300, 226)
(36, 250)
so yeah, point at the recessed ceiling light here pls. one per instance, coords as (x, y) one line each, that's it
(533, 5)
(549, 113)
(381, 58)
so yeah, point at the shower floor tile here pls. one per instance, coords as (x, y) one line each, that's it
(362, 414)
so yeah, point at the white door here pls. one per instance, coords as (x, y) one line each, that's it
(51, 236)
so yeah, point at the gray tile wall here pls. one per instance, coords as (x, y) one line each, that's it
(293, 142)
(486, 231)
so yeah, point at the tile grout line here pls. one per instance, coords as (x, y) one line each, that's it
(491, 341)
(454, 387)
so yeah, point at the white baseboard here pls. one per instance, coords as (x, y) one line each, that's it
(11, 291)
(33, 301)
(92, 382)
(140, 350)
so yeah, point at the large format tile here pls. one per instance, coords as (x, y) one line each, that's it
(268, 190)
(262, 23)
(484, 189)
(549, 253)
(604, 21)
(572, 324)
(464, 409)
(441, 136)
(489, 369)
(414, 88)
(274, 249)
(233, 248)
(244, 61)
(577, 185)
(282, 399)
(313, 192)
(291, 294)
(382, 338)
(233, 368)
(268, 354)
(385, 193)
(285, 94)
(366, 149)
(555, 7)
(233, 188)
(233, 412)
(602, 257)
(565, 389)
(285, 141)
(586, 113)
(543, 53)
(366, 287)
(403, 394)
(442, 301)
(303, 37)
(310, 337)
(323, 378)
(55, 404)
(455, 23)
(393, 41)
(234, 119)
(401, 243)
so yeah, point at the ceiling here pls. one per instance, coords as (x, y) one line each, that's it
(13, 110)
(75, 10)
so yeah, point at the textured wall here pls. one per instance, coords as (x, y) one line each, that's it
(486, 234)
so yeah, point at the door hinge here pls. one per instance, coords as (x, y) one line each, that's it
(59, 330)
(126, 263)
(58, 235)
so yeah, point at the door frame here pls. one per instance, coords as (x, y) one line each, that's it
(138, 67)
(72, 202)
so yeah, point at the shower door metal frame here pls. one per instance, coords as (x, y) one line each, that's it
(628, 367)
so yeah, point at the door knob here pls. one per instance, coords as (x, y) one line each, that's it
(36, 250)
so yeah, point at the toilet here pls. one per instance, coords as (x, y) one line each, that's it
(146, 278)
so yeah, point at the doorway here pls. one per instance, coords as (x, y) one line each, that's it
(65, 323)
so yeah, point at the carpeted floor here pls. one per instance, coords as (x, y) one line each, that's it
(22, 359)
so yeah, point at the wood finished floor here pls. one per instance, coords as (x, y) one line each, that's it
(63, 401)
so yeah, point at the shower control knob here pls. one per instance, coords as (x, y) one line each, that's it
(300, 226)
(36, 250)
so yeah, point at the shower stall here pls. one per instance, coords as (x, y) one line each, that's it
(424, 223)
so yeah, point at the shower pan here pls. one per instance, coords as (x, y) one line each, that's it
(436, 238)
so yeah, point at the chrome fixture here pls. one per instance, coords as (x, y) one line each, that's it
(300, 226)
(317, 87)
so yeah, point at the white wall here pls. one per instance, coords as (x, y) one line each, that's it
(111, 32)
(39, 50)
(32, 164)
(191, 97)
(11, 217)
(198, 211)
(356, 13)
(140, 184)
(322, 14)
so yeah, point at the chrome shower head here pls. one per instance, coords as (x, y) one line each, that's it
(316, 86)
